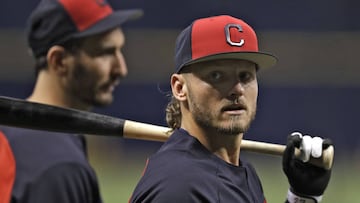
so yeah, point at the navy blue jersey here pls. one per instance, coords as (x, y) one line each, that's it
(183, 170)
(51, 168)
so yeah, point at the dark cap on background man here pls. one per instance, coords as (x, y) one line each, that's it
(54, 22)
(219, 37)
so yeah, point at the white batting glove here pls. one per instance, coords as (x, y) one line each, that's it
(309, 146)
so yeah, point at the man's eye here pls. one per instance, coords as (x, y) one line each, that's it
(102, 52)
(106, 52)
(215, 76)
(245, 77)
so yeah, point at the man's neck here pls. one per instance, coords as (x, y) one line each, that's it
(226, 147)
(48, 91)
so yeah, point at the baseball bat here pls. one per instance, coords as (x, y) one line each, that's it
(25, 114)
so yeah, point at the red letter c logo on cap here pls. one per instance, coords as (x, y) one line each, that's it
(228, 38)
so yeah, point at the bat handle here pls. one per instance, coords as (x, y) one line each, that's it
(144, 131)
(325, 161)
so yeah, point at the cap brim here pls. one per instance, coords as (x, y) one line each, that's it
(114, 20)
(263, 60)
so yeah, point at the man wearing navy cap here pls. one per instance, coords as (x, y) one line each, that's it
(77, 48)
(214, 96)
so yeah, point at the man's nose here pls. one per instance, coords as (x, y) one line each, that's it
(120, 67)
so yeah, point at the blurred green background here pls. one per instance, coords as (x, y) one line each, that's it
(119, 170)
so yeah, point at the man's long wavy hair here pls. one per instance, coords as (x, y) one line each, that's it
(173, 113)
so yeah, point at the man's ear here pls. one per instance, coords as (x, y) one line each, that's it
(56, 59)
(178, 87)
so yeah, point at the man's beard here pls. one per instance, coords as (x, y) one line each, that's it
(206, 120)
(83, 86)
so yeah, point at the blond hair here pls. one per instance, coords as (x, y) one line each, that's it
(173, 113)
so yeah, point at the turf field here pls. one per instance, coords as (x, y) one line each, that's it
(119, 170)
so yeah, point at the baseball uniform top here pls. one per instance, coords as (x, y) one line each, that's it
(183, 170)
(7, 170)
(51, 167)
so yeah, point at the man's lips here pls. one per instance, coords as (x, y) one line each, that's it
(110, 86)
(235, 108)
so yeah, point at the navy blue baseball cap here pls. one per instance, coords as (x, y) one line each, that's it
(54, 22)
(219, 37)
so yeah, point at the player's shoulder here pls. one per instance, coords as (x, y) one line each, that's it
(55, 181)
(28, 138)
(182, 152)
(41, 149)
(186, 166)
(247, 165)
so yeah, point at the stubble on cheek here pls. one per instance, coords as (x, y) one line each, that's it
(83, 84)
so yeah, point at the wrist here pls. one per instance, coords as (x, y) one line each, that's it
(292, 197)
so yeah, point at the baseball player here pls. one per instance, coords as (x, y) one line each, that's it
(77, 48)
(214, 96)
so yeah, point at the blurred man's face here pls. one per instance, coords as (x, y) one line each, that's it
(97, 69)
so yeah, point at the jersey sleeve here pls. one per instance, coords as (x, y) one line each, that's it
(7, 169)
(68, 183)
